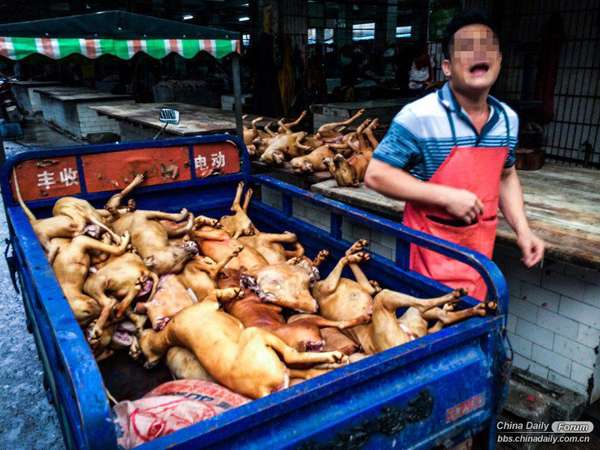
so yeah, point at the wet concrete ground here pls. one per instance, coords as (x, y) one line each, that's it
(28, 420)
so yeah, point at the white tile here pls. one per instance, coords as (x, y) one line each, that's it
(558, 324)
(376, 236)
(520, 345)
(359, 232)
(381, 250)
(556, 267)
(588, 336)
(530, 366)
(511, 323)
(581, 374)
(592, 294)
(566, 382)
(514, 286)
(551, 360)
(512, 252)
(580, 312)
(540, 296)
(346, 226)
(500, 261)
(574, 351)
(523, 309)
(567, 286)
(516, 269)
(388, 240)
(535, 334)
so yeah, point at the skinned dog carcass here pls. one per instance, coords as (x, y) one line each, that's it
(151, 240)
(282, 147)
(340, 298)
(71, 267)
(313, 162)
(301, 332)
(246, 361)
(286, 285)
(217, 244)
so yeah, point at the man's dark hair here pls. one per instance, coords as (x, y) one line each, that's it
(464, 18)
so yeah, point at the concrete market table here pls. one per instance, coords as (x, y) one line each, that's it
(140, 120)
(68, 108)
(554, 319)
(563, 207)
(24, 92)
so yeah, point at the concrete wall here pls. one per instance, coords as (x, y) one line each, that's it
(554, 321)
(77, 119)
(129, 132)
(554, 312)
(90, 122)
(22, 95)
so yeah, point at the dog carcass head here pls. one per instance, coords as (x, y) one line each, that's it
(172, 259)
(285, 285)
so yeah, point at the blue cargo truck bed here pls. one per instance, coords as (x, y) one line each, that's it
(437, 390)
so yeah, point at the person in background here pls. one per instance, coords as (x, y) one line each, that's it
(421, 71)
(450, 155)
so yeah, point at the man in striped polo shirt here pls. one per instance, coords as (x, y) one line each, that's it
(450, 155)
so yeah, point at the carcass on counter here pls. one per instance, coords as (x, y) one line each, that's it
(345, 155)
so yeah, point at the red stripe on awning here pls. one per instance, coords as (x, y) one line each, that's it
(90, 48)
(208, 46)
(136, 45)
(174, 45)
(48, 48)
(3, 47)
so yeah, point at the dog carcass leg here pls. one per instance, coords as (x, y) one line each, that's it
(449, 317)
(133, 292)
(362, 279)
(292, 356)
(330, 284)
(392, 300)
(159, 215)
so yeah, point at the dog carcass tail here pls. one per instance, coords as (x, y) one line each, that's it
(26, 210)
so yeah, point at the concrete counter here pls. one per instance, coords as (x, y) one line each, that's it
(68, 108)
(28, 98)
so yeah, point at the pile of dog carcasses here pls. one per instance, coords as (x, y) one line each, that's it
(248, 309)
(333, 148)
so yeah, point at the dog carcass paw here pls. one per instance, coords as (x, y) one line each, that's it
(376, 286)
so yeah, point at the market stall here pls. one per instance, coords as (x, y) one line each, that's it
(122, 35)
(69, 109)
(554, 319)
(26, 95)
(138, 121)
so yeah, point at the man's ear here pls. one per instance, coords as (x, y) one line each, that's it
(446, 67)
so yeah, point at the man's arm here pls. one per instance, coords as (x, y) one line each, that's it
(513, 208)
(396, 183)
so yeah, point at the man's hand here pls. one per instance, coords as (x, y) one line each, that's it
(532, 247)
(463, 204)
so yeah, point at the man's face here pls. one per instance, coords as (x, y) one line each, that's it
(475, 58)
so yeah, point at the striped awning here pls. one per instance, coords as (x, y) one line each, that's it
(20, 47)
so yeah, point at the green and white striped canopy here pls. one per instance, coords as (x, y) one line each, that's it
(117, 33)
(56, 48)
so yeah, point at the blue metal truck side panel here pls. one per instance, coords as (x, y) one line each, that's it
(406, 397)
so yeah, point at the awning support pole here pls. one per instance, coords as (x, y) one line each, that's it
(237, 93)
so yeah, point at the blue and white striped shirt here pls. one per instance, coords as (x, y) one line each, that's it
(421, 135)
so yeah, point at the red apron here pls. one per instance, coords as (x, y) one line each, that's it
(476, 169)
